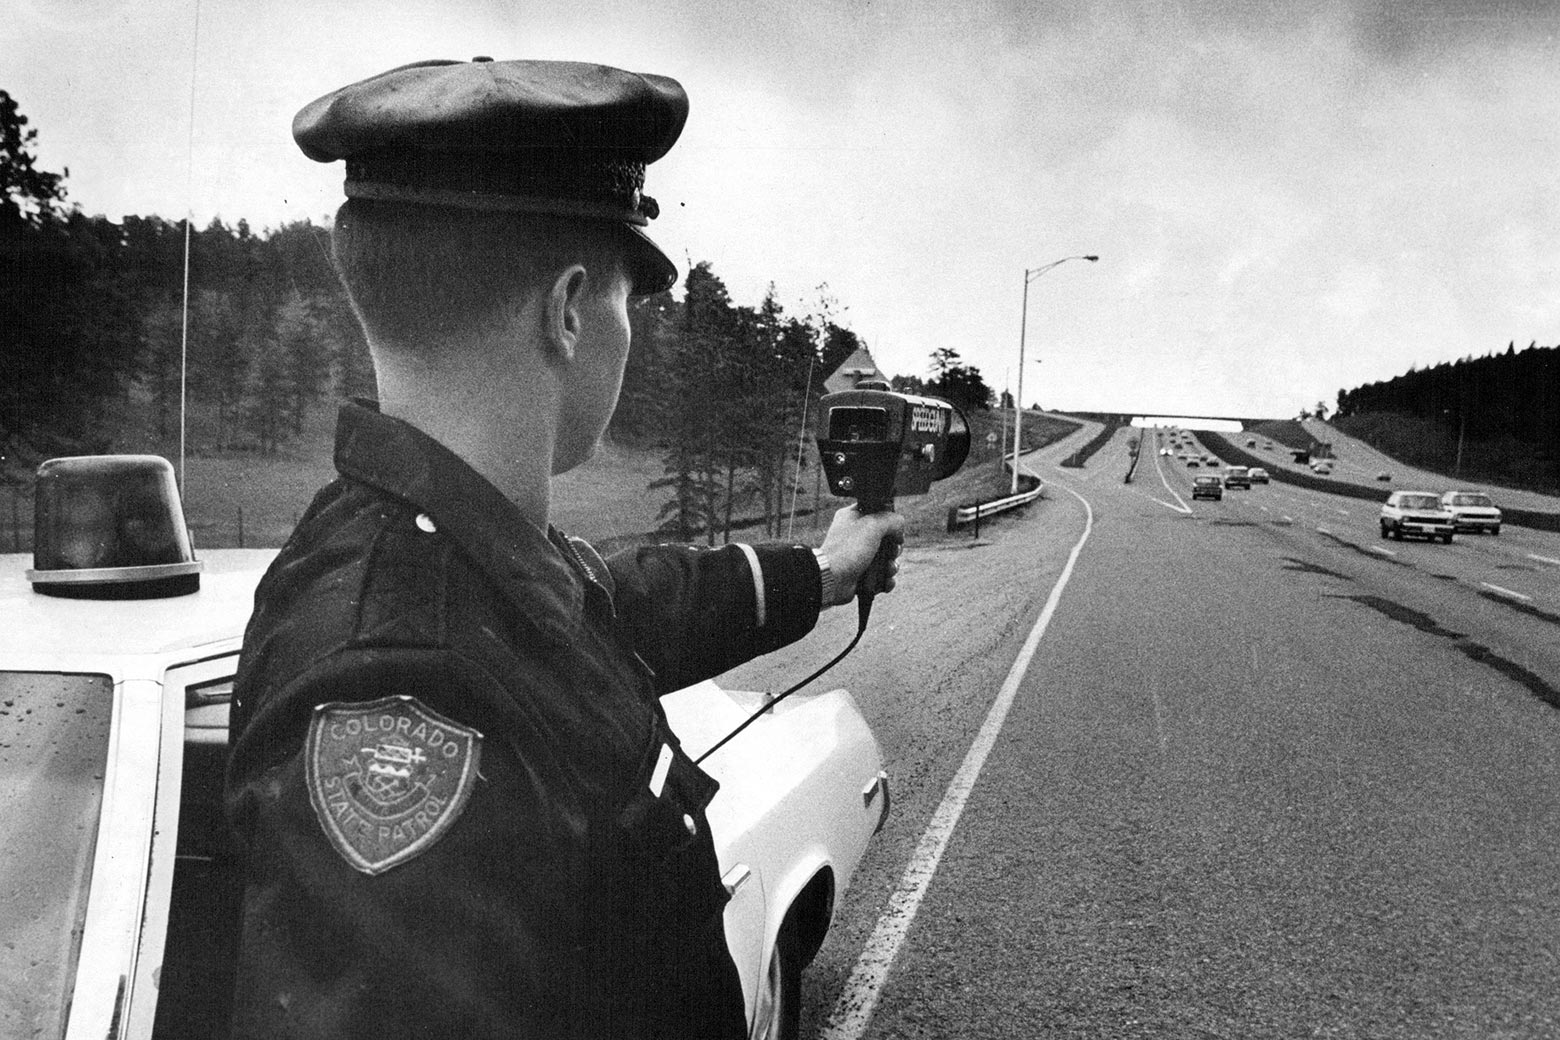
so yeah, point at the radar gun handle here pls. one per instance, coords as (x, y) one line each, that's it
(875, 577)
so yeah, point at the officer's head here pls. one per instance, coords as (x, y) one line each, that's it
(480, 191)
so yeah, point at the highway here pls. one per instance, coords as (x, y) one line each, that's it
(1264, 775)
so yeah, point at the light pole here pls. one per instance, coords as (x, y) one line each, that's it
(1030, 274)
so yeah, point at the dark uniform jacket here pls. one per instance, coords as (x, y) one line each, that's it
(460, 807)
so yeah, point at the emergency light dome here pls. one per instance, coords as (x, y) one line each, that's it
(110, 527)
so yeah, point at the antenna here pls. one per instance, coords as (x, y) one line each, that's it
(801, 444)
(189, 219)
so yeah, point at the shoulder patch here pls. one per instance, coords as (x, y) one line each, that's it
(388, 778)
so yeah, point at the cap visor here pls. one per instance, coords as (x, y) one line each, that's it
(650, 270)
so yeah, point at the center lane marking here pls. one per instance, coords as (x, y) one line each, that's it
(853, 1011)
(1543, 559)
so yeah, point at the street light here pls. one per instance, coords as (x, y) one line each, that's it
(1030, 274)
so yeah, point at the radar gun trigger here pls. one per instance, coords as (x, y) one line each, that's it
(876, 444)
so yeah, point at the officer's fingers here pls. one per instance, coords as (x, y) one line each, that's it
(889, 575)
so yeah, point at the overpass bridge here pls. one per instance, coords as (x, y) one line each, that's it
(1217, 423)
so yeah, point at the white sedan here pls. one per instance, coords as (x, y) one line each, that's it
(116, 894)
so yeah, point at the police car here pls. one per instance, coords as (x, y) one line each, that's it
(117, 891)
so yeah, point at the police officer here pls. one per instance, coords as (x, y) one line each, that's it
(460, 808)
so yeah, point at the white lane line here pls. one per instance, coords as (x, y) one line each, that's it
(1506, 592)
(1323, 530)
(1167, 505)
(1289, 519)
(1379, 549)
(1543, 559)
(1342, 510)
(853, 1011)
(1159, 719)
(1166, 482)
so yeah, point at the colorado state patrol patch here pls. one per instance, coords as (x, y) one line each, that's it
(388, 777)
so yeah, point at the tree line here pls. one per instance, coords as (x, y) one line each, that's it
(96, 320)
(94, 324)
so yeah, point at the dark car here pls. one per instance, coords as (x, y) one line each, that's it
(1207, 486)
(1237, 477)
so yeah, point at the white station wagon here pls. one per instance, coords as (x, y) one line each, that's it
(1471, 511)
(117, 896)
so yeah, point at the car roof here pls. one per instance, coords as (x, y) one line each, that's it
(50, 633)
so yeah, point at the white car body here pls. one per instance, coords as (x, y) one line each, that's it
(92, 817)
(1471, 511)
(1417, 513)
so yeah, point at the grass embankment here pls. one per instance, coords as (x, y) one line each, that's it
(1287, 432)
(1433, 446)
(1080, 458)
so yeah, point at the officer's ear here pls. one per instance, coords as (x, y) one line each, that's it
(563, 313)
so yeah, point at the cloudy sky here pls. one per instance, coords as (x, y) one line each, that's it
(1288, 198)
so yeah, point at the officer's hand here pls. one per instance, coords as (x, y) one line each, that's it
(852, 543)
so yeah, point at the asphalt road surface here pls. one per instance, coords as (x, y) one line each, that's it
(1263, 775)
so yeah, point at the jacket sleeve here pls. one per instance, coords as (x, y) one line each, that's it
(475, 934)
(694, 612)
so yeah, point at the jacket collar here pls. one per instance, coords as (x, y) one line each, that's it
(529, 566)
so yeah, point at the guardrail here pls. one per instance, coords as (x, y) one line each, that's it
(958, 516)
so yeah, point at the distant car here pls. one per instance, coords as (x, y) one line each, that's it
(1258, 475)
(118, 892)
(1267, 445)
(1237, 477)
(1471, 511)
(1207, 486)
(1416, 513)
(1384, 476)
(1322, 467)
(1193, 464)
(1251, 442)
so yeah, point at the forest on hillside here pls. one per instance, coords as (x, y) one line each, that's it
(144, 333)
(1494, 418)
